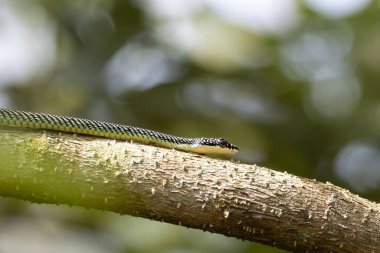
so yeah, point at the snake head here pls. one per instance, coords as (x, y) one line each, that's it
(214, 146)
(223, 143)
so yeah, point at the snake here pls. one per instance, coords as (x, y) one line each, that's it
(42, 121)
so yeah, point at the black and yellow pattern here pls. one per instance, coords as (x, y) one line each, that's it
(15, 118)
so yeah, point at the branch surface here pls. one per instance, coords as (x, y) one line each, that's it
(238, 200)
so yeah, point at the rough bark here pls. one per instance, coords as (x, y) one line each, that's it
(238, 200)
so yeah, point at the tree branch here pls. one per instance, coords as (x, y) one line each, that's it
(237, 200)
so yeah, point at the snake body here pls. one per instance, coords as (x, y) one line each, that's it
(33, 120)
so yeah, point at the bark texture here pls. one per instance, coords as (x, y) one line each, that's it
(238, 200)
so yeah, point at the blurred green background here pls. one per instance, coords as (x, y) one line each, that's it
(294, 84)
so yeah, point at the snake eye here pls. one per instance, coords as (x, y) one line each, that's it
(222, 142)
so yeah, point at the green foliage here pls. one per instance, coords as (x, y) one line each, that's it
(300, 94)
